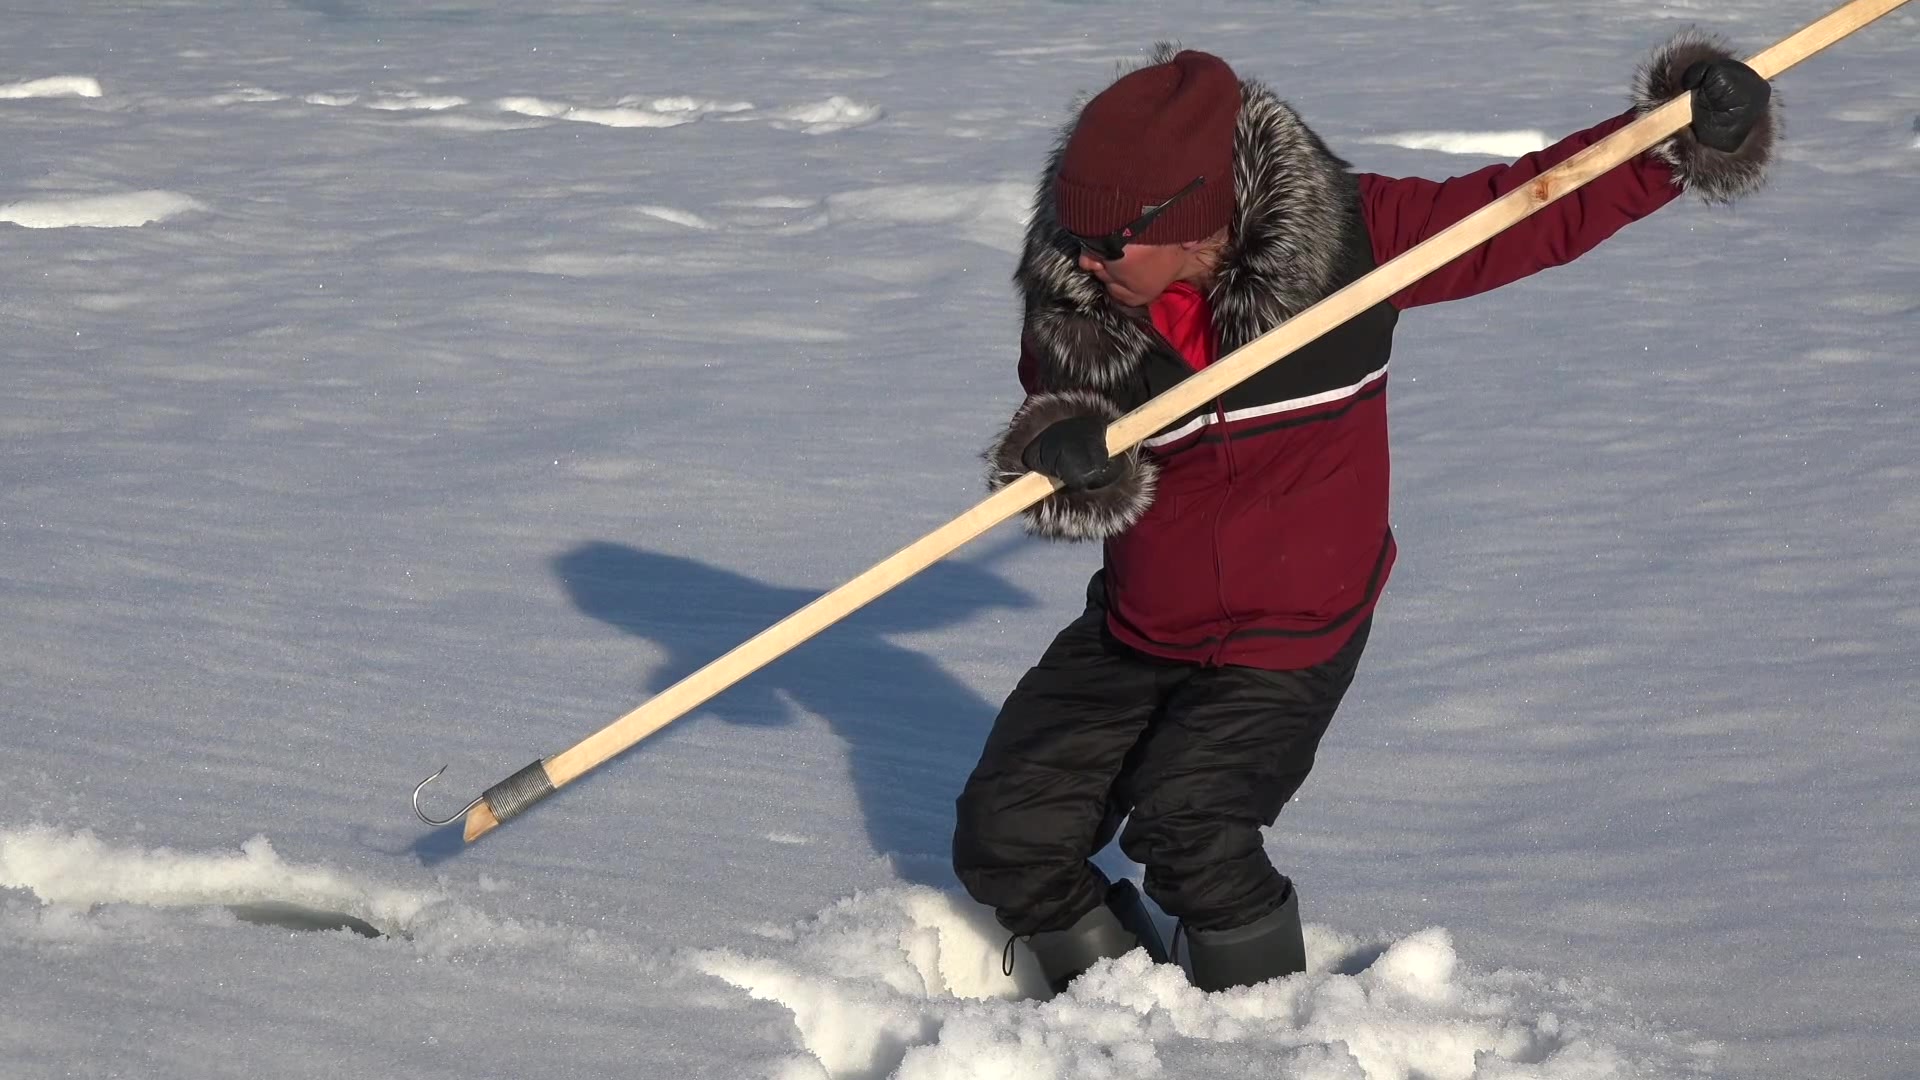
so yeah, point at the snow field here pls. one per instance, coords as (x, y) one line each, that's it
(390, 384)
(907, 982)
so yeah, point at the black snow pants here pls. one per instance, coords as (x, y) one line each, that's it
(1194, 759)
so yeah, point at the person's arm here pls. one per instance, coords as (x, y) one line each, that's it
(1402, 212)
(1063, 434)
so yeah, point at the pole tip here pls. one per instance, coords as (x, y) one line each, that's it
(480, 822)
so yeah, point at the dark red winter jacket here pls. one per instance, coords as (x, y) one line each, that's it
(1267, 542)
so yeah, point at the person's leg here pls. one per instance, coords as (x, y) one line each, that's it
(1230, 747)
(1036, 806)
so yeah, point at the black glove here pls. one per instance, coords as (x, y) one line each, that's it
(1728, 99)
(1074, 452)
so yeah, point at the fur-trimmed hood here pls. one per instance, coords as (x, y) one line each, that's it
(1299, 231)
(1294, 218)
(1284, 249)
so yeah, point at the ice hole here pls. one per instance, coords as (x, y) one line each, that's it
(290, 916)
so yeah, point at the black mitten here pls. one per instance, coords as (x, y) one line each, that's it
(1728, 99)
(1074, 452)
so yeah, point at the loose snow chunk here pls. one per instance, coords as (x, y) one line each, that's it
(628, 112)
(247, 95)
(98, 211)
(408, 100)
(1421, 966)
(906, 984)
(821, 118)
(610, 117)
(628, 118)
(688, 105)
(531, 106)
(678, 217)
(57, 86)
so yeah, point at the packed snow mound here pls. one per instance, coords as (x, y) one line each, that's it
(77, 888)
(56, 86)
(625, 114)
(81, 870)
(98, 211)
(906, 984)
(827, 117)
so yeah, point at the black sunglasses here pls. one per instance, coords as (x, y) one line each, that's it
(1113, 246)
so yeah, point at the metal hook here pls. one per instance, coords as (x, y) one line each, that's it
(422, 814)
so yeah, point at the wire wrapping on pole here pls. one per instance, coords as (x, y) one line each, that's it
(512, 796)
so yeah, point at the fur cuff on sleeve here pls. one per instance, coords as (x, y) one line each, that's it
(1715, 175)
(1082, 515)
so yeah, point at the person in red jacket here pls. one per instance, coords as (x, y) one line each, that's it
(1184, 213)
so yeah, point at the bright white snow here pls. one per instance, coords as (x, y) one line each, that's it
(97, 211)
(56, 86)
(1505, 144)
(411, 426)
(908, 984)
(80, 871)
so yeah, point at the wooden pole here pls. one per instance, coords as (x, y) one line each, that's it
(1186, 396)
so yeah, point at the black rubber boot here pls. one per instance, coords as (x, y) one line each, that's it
(1127, 905)
(1266, 948)
(1115, 928)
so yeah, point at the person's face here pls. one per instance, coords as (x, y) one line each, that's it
(1141, 274)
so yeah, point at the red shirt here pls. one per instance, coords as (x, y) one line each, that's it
(1184, 318)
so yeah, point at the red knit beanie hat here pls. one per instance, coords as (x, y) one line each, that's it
(1144, 138)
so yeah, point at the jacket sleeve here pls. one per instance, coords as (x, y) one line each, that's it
(1401, 213)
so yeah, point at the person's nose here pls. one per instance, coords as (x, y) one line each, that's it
(1089, 261)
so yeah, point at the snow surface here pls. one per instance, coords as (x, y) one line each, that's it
(1504, 144)
(461, 373)
(97, 211)
(53, 86)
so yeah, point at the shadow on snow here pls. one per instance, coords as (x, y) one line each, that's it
(912, 731)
